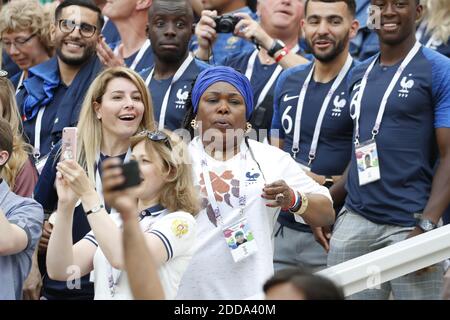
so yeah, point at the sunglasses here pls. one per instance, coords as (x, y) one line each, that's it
(157, 136)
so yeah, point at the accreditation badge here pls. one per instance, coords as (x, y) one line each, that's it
(367, 162)
(240, 240)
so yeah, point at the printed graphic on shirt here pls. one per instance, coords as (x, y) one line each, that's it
(180, 227)
(226, 189)
(406, 83)
(182, 95)
(339, 103)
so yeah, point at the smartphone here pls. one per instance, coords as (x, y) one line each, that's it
(69, 143)
(132, 175)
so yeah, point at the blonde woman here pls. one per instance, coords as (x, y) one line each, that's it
(163, 205)
(434, 29)
(25, 32)
(116, 107)
(19, 172)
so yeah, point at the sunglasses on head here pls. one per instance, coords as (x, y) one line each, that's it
(157, 136)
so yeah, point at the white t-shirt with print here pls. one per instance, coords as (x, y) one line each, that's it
(176, 230)
(212, 273)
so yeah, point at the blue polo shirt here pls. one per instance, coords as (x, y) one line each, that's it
(28, 215)
(335, 140)
(176, 109)
(406, 143)
(227, 44)
(437, 45)
(45, 193)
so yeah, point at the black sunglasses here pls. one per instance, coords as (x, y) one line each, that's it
(157, 136)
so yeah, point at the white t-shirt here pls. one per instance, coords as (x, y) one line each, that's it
(212, 273)
(176, 230)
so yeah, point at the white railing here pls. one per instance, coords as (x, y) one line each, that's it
(370, 270)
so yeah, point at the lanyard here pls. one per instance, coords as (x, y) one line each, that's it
(98, 179)
(272, 79)
(181, 70)
(356, 115)
(209, 187)
(37, 133)
(138, 56)
(326, 101)
(420, 33)
(22, 76)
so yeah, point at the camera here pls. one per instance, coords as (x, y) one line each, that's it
(226, 23)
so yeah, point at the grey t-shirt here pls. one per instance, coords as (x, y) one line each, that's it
(28, 215)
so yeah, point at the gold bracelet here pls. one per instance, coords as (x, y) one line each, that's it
(304, 204)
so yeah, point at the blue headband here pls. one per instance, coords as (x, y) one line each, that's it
(209, 76)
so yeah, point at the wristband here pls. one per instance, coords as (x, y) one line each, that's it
(301, 208)
(293, 202)
(282, 54)
(95, 209)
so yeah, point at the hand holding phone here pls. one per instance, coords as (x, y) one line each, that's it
(69, 143)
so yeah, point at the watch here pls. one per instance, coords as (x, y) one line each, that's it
(426, 225)
(95, 210)
(276, 46)
(328, 182)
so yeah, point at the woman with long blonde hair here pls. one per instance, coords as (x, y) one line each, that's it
(19, 172)
(434, 29)
(116, 107)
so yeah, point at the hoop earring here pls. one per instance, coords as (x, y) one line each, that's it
(194, 124)
(248, 127)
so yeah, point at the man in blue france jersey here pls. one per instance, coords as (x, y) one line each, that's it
(311, 101)
(171, 79)
(279, 27)
(222, 45)
(51, 97)
(133, 48)
(401, 106)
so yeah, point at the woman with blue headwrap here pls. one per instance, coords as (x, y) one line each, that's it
(243, 184)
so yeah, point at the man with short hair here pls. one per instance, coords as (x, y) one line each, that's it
(311, 116)
(400, 102)
(20, 227)
(277, 33)
(222, 45)
(170, 81)
(51, 97)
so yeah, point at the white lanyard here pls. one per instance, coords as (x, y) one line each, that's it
(98, 179)
(176, 77)
(208, 183)
(106, 19)
(326, 101)
(37, 133)
(403, 65)
(138, 56)
(272, 79)
(22, 76)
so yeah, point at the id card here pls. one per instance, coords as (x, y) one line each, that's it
(367, 162)
(41, 163)
(240, 240)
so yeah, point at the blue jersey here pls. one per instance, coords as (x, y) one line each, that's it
(9, 65)
(227, 44)
(437, 45)
(406, 142)
(179, 92)
(145, 62)
(260, 76)
(335, 140)
(365, 44)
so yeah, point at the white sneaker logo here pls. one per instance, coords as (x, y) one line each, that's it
(287, 98)
(406, 85)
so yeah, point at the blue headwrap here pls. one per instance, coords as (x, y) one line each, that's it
(209, 76)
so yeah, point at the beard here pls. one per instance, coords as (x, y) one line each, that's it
(88, 52)
(338, 47)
